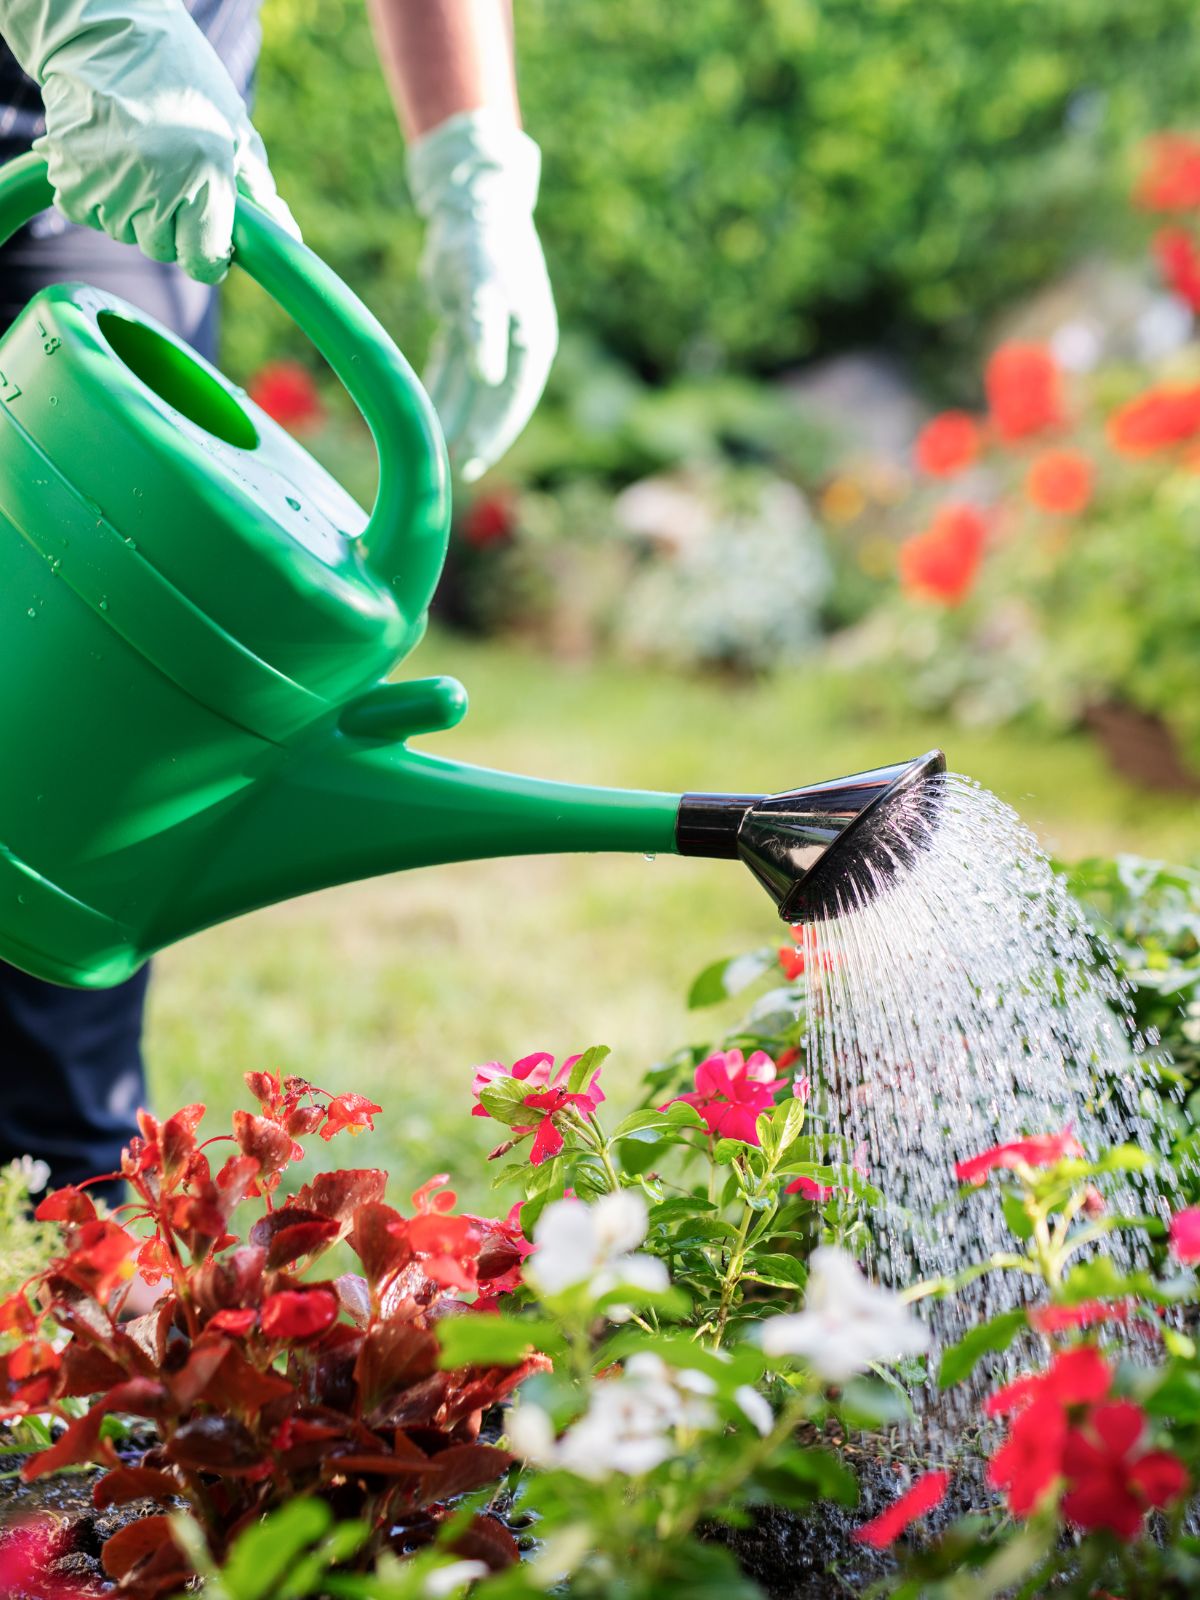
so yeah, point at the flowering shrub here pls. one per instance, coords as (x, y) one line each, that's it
(263, 1383)
(1053, 539)
(1090, 1441)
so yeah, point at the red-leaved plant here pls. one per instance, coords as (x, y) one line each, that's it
(263, 1382)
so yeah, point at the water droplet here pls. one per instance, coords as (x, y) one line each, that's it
(295, 504)
(649, 855)
(32, 612)
(104, 602)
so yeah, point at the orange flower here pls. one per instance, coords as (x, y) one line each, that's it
(1060, 481)
(1179, 262)
(1155, 421)
(941, 563)
(1023, 391)
(948, 444)
(1171, 181)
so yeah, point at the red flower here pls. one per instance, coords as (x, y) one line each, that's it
(1043, 1150)
(353, 1111)
(948, 444)
(503, 1250)
(1110, 1484)
(1022, 385)
(1076, 1377)
(792, 960)
(1171, 181)
(236, 1323)
(1156, 420)
(550, 1096)
(731, 1092)
(810, 1189)
(928, 1491)
(446, 1248)
(1057, 1319)
(489, 520)
(1029, 1461)
(1060, 481)
(298, 1313)
(941, 563)
(286, 392)
(1179, 262)
(1185, 1236)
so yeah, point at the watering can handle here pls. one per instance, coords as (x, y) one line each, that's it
(405, 539)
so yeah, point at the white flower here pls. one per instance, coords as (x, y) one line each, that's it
(755, 1407)
(629, 1427)
(33, 1173)
(576, 1243)
(449, 1579)
(847, 1322)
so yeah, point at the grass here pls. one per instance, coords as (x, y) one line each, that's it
(398, 987)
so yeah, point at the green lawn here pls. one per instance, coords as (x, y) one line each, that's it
(396, 988)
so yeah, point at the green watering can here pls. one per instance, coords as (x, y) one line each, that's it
(196, 628)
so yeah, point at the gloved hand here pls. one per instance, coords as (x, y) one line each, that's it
(146, 137)
(475, 180)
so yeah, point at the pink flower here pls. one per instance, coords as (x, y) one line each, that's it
(731, 1093)
(927, 1493)
(548, 1096)
(1042, 1150)
(1185, 1235)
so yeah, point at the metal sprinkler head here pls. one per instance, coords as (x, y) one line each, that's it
(810, 847)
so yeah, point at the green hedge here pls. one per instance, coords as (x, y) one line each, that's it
(742, 181)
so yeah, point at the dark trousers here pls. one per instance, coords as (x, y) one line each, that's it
(71, 1073)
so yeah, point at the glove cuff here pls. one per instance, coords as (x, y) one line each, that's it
(470, 157)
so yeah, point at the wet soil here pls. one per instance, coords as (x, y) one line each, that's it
(65, 1499)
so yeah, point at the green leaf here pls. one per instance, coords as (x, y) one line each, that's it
(724, 978)
(783, 1272)
(499, 1341)
(801, 1476)
(266, 1551)
(635, 1156)
(1020, 1224)
(787, 1121)
(588, 1063)
(505, 1100)
(873, 1403)
(960, 1360)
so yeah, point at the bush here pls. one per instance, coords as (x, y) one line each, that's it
(741, 184)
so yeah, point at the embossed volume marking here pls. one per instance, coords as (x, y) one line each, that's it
(9, 390)
(50, 342)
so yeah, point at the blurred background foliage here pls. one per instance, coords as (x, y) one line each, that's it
(739, 184)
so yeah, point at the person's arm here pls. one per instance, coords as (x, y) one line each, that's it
(474, 176)
(441, 57)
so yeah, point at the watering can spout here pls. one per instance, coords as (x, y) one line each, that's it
(345, 809)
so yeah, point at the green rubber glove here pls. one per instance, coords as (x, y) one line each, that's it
(146, 137)
(475, 180)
